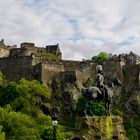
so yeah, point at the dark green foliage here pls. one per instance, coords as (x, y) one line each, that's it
(47, 133)
(96, 107)
(80, 106)
(131, 128)
(8, 93)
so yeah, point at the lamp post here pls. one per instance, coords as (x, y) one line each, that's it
(54, 124)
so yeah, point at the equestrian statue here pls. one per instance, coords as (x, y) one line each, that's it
(101, 92)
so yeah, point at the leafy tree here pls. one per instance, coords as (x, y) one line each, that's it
(20, 116)
(17, 125)
(8, 93)
(101, 56)
(31, 95)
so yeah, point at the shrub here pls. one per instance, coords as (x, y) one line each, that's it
(96, 107)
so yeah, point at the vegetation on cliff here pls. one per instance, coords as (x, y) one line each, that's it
(20, 114)
(96, 107)
(47, 55)
(132, 128)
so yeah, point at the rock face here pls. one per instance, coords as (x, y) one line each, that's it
(102, 128)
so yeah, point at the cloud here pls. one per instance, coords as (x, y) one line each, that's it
(82, 28)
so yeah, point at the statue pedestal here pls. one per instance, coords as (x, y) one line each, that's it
(102, 128)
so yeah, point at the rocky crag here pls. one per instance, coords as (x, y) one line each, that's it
(102, 128)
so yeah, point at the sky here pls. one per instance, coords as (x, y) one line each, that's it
(82, 28)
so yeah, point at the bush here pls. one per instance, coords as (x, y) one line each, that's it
(17, 125)
(96, 107)
(131, 130)
(47, 133)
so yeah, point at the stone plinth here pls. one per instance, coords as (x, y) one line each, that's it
(102, 128)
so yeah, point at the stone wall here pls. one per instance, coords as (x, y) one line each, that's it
(83, 70)
(83, 73)
(17, 67)
(113, 68)
(50, 70)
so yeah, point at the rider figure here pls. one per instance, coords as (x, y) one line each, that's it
(100, 80)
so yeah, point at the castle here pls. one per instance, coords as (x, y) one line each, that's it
(27, 49)
(16, 63)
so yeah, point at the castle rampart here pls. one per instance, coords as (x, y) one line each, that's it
(16, 67)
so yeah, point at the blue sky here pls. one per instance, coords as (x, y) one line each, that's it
(82, 28)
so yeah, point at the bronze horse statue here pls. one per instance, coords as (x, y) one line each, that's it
(104, 94)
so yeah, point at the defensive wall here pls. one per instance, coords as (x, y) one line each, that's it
(39, 68)
(16, 68)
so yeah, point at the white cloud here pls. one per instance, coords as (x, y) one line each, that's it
(83, 28)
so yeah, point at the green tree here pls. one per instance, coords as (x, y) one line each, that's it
(101, 56)
(17, 125)
(8, 93)
(31, 95)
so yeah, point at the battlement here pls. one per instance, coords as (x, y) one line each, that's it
(27, 45)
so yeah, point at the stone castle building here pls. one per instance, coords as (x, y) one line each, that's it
(16, 63)
(27, 49)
